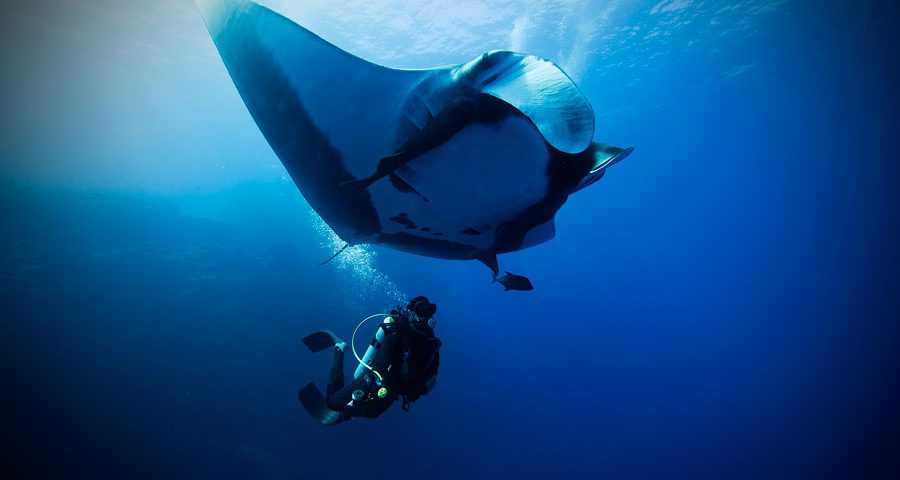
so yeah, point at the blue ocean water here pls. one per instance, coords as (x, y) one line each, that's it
(720, 305)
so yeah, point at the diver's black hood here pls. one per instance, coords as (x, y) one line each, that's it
(422, 307)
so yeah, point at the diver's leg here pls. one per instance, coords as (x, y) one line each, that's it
(336, 378)
(340, 398)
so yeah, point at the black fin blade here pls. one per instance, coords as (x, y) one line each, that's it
(314, 403)
(318, 341)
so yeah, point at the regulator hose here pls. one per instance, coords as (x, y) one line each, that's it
(353, 345)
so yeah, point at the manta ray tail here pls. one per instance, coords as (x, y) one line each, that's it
(336, 253)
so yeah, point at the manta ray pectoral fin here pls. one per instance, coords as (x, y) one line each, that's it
(293, 83)
(541, 91)
(604, 157)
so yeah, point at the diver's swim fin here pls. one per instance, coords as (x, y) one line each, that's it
(318, 341)
(314, 403)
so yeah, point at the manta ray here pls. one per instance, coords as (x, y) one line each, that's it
(460, 162)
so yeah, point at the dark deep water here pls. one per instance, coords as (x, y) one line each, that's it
(723, 304)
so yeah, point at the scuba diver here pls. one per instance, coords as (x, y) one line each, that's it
(401, 363)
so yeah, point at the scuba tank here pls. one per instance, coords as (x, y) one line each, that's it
(368, 359)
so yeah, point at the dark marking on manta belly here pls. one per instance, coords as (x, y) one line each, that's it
(307, 153)
(564, 172)
(404, 220)
(470, 231)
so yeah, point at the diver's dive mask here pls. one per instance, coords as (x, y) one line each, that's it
(421, 311)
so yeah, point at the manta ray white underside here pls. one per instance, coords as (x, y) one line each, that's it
(460, 162)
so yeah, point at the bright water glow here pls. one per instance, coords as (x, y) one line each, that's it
(357, 261)
(128, 94)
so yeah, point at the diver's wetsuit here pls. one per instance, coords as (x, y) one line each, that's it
(338, 395)
(408, 359)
